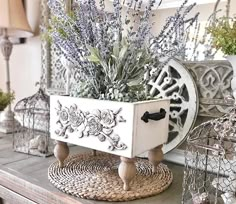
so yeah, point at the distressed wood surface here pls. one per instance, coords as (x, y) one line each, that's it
(25, 178)
(11, 197)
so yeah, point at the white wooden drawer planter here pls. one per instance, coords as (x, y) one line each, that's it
(119, 128)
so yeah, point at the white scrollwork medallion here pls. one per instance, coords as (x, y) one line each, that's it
(176, 83)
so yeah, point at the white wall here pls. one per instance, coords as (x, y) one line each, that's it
(25, 61)
(205, 11)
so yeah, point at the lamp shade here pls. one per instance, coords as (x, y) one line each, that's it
(13, 19)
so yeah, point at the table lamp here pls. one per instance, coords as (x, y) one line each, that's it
(13, 23)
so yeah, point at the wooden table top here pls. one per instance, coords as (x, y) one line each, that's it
(26, 175)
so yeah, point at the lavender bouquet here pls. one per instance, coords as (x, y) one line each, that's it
(115, 53)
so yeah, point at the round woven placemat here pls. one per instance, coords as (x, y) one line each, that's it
(96, 177)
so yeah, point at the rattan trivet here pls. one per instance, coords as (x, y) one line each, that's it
(96, 177)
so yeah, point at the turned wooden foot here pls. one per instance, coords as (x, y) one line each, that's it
(127, 171)
(94, 152)
(155, 156)
(61, 152)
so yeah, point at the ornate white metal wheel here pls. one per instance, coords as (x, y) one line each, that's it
(176, 83)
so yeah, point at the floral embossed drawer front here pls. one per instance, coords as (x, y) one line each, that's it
(97, 123)
(113, 127)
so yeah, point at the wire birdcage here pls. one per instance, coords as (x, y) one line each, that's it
(210, 162)
(32, 136)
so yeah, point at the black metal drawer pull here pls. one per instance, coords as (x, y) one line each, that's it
(154, 116)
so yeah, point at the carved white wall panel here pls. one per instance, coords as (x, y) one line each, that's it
(213, 79)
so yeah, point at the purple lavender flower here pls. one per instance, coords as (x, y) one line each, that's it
(109, 60)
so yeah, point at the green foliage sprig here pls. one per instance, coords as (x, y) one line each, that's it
(5, 99)
(223, 32)
(57, 25)
(123, 73)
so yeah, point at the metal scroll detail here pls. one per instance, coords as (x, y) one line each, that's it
(52, 69)
(174, 82)
(213, 79)
(98, 123)
(53, 72)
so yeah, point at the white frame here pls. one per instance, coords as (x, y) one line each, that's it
(176, 3)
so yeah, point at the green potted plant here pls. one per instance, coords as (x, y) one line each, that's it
(223, 31)
(5, 99)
